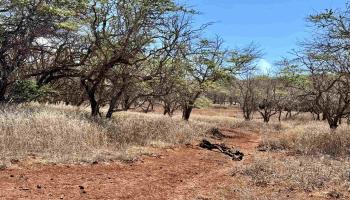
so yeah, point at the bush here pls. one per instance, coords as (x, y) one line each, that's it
(27, 91)
(203, 102)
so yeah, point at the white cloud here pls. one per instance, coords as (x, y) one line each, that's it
(264, 66)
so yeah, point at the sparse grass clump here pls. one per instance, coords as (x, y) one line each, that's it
(58, 133)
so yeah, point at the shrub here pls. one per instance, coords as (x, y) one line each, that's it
(28, 90)
(203, 102)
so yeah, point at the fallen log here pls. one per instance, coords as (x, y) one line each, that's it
(234, 154)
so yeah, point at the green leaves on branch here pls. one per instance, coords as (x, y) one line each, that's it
(28, 90)
(325, 16)
(203, 102)
(294, 76)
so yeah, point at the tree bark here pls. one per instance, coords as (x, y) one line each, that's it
(279, 115)
(113, 103)
(3, 89)
(186, 112)
(333, 123)
(91, 91)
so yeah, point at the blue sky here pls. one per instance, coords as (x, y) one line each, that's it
(275, 25)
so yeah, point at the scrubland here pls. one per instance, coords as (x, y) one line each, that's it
(298, 155)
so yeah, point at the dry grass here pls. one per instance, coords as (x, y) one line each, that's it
(64, 134)
(58, 133)
(304, 174)
(310, 138)
(311, 160)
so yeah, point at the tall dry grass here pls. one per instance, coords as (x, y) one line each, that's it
(302, 177)
(58, 133)
(304, 173)
(310, 138)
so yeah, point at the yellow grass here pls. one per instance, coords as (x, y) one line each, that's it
(58, 133)
(309, 156)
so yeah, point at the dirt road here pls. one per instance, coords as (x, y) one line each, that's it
(181, 173)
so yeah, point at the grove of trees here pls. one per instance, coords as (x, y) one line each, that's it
(126, 54)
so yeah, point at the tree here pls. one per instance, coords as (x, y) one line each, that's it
(243, 70)
(326, 59)
(172, 33)
(23, 27)
(268, 97)
(204, 63)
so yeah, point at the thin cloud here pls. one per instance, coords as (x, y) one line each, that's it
(264, 66)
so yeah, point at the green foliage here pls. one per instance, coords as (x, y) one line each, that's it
(203, 102)
(327, 15)
(244, 60)
(27, 91)
(294, 76)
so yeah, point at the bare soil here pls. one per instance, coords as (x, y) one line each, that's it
(187, 172)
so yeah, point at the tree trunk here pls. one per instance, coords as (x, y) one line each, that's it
(95, 107)
(3, 89)
(333, 123)
(288, 114)
(113, 102)
(266, 119)
(324, 117)
(246, 113)
(186, 112)
(247, 116)
(318, 117)
(110, 111)
(279, 115)
(166, 110)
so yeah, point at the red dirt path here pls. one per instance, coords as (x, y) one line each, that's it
(180, 173)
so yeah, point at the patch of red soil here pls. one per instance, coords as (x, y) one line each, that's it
(180, 173)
